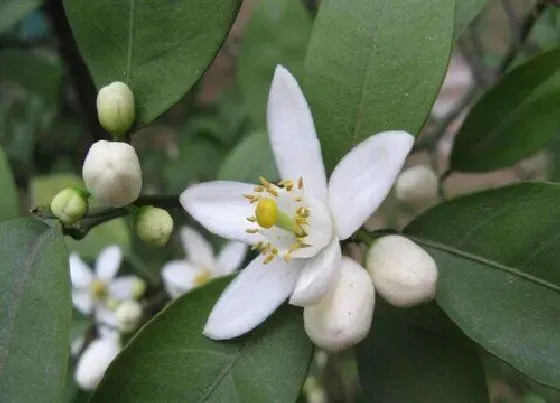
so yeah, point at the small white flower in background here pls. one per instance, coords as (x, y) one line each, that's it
(180, 276)
(343, 317)
(69, 205)
(403, 273)
(112, 173)
(417, 185)
(115, 107)
(95, 360)
(297, 224)
(98, 291)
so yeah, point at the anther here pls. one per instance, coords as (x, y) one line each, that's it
(300, 183)
(259, 188)
(252, 219)
(252, 230)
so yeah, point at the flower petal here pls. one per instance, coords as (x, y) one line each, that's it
(124, 287)
(221, 208)
(94, 362)
(318, 276)
(363, 178)
(198, 250)
(230, 258)
(80, 273)
(106, 318)
(82, 300)
(108, 262)
(292, 136)
(251, 297)
(178, 277)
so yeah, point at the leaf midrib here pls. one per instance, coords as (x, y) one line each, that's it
(130, 49)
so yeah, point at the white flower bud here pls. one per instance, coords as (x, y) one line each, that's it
(128, 315)
(317, 395)
(154, 225)
(69, 205)
(417, 185)
(343, 317)
(115, 107)
(94, 362)
(403, 273)
(112, 174)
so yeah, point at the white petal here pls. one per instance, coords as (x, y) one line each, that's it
(106, 318)
(251, 297)
(230, 258)
(124, 287)
(221, 208)
(108, 262)
(178, 277)
(292, 136)
(94, 362)
(82, 300)
(363, 178)
(318, 276)
(343, 317)
(198, 250)
(80, 273)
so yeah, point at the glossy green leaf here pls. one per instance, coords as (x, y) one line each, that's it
(251, 158)
(159, 47)
(277, 33)
(375, 65)
(34, 312)
(512, 120)
(400, 362)
(44, 188)
(497, 253)
(171, 361)
(13, 11)
(9, 206)
(465, 12)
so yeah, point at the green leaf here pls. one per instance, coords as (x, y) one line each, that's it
(160, 48)
(375, 65)
(269, 365)
(465, 12)
(497, 253)
(277, 33)
(34, 312)
(250, 159)
(9, 206)
(514, 119)
(44, 188)
(13, 11)
(400, 362)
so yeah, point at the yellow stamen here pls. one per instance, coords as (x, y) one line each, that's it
(252, 230)
(263, 181)
(266, 212)
(202, 278)
(98, 289)
(252, 219)
(259, 188)
(300, 183)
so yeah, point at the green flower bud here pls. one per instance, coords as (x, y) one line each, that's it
(69, 205)
(128, 315)
(154, 225)
(115, 108)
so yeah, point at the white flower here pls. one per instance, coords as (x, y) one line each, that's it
(343, 317)
(402, 272)
(94, 361)
(417, 185)
(180, 276)
(297, 224)
(112, 173)
(115, 107)
(98, 291)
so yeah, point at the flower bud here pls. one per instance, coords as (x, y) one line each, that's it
(138, 288)
(402, 272)
(94, 362)
(417, 185)
(154, 225)
(115, 107)
(343, 317)
(112, 174)
(128, 315)
(69, 205)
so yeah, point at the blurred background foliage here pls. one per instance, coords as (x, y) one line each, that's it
(48, 121)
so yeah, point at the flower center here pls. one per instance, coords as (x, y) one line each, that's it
(202, 278)
(98, 289)
(279, 206)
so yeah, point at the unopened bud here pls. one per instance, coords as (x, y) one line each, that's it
(154, 225)
(94, 362)
(128, 315)
(403, 273)
(69, 205)
(138, 288)
(115, 107)
(112, 174)
(343, 317)
(417, 185)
